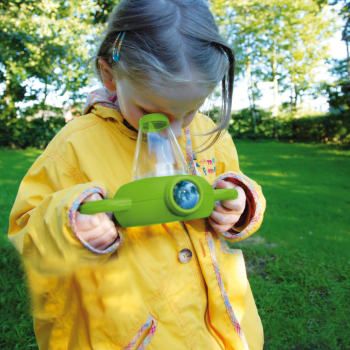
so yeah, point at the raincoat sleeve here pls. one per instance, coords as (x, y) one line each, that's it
(227, 168)
(42, 226)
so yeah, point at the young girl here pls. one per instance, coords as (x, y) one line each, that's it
(172, 286)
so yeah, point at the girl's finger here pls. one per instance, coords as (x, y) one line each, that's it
(93, 197)
(105, 240)
(237, 204)
(220, 208)
(219, 228)
(96, 232)
(87, 222)
(225, 219)
(232, 204)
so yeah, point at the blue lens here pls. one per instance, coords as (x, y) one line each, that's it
(186, 195)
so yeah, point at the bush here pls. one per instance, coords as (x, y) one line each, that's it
(332, 128)
(23, 133)
(265, 126)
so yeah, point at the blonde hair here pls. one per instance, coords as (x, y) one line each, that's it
(164, 41)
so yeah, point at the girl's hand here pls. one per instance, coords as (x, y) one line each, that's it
(227, 213)
(97, 230)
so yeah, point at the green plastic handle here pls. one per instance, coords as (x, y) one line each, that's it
(105, 206)
(222, 194)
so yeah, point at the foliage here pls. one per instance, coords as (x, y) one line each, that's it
(345, 7)
(264, 127)
(46, 41)
(101, 10)
(333, 128)
(23, 133)
(338, 92)
(277, 40)
(339, 95)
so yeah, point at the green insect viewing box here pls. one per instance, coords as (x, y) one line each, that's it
(167, 199)
(162, 191)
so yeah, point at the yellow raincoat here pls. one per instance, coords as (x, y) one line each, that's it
(137, 293)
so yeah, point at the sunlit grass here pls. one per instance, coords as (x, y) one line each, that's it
(299, 268)
(298, 262)
(16, 326)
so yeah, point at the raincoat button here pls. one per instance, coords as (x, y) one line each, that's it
(185, 256)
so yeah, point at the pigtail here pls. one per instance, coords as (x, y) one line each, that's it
(227, 84)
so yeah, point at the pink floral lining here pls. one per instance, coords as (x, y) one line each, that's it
(72, 212)
(102, 97)
(144, 344)
(252, 197)
(224, 295)
(190, 157)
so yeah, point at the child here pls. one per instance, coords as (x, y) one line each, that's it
(171, 286)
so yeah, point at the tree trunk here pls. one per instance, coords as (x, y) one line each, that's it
(275, 84)
(347, 51)
(295, 104)
(251, 96)
(293, 97)
(44, 101)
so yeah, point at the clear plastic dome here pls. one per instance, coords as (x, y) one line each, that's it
(157, 151)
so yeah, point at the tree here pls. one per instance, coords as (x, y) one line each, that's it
(48, 41)
(239, 24)
(282, 42)
(338, 92)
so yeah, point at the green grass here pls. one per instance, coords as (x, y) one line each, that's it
(16, 326)
(298, 262)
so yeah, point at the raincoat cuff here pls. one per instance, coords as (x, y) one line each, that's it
(251, 215)
(72, 213)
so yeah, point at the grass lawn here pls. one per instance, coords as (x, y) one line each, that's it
(298, 262)
(16, 326)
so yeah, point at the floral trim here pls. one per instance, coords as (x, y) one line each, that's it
(225, 249)
(190, 158)
(72, 212)
(252, 197)
(150, 335)
(102, 97)
(224, 295)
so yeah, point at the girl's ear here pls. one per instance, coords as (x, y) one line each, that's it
(107, 75)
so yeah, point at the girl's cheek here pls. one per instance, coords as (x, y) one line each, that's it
(188, 120)
(135, 114)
